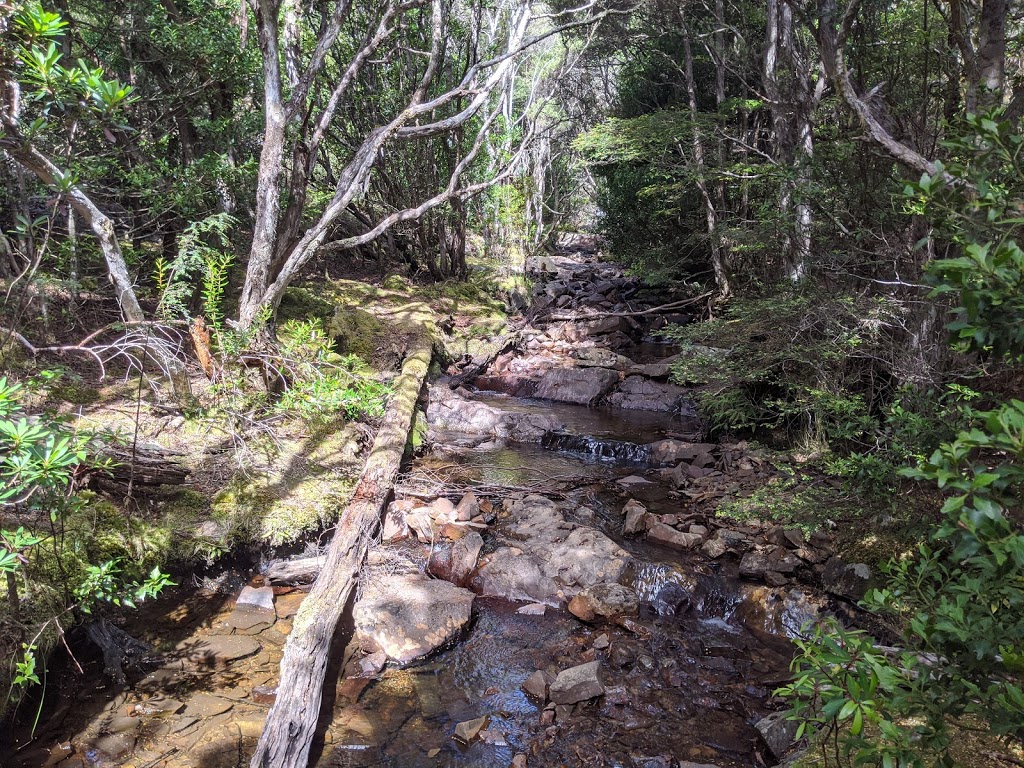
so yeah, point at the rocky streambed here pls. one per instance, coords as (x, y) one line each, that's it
(550, 586)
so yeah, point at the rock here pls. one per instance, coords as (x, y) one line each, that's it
(794, 538)
(714, 548)
(515, 575)
(159, 707)
(442, 510)
(635, 513)
(576, 385)
(607, 601)
(395, 527)
(249, 621)
(563, 712)
(601, 358)
(652, 370)
(641, 394)
(467, 508)
(533, 609)
(217, 649)
(408, 617)
(777, 733)
(577, 684)
(756, 564)
(846, 580)
(775, 579)
(702, 461)
(468, 730)
(698, 530)
(455, 562)
(673, 451)
(601, 642)
(672, 598)
(536, 685)
(630, 480)
(206, 705)
(261, 598)
(451, 411)
(494, 737)
(670, 537)
(421, 524)
(586, 557)
(519, 761)
(264, 694)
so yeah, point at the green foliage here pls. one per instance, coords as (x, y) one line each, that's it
(204, 251)
(959, 603)
(790, 359)
(985, 225)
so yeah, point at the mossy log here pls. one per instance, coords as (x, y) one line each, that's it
(292, 721)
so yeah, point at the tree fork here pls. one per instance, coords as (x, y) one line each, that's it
(292, 721)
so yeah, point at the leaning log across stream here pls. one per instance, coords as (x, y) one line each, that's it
(291, 722)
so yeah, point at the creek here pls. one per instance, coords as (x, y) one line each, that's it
(684, 674)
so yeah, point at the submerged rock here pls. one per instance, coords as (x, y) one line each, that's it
(577, 684)
(408, 616)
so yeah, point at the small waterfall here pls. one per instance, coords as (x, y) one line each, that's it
(607, 450)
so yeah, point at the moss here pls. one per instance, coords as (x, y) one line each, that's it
(303, 304)
(74, 392)
(418, 433)
(356, 332)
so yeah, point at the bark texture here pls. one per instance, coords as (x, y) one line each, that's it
(291, 722)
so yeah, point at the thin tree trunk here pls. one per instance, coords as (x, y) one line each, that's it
(711, 215)
(101, 225)
(291, 722)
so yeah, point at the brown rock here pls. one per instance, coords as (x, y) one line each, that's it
(468, 730)
(536, 685)
(467, 508)
(670, 537)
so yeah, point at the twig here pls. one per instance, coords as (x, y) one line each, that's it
(652, 311)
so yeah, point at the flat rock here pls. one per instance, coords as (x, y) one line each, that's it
(601, 358)
(512, 574)
(669, 537)
(533, 609)
(249, 621)
(584, 386)
(217, 649)
(206, 705)
(257, 598)
(673, 451)
(577, 684)
(408, 616)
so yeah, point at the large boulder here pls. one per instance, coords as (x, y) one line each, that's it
(584, 386)
(512, 574)
(408, 616)
(452, 411)
(638, 393)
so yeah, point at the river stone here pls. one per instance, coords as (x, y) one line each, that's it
(213, 649)
(577, 684)
(598, 357)
(467, 508)
(576, 385)
(455, 561)
(714, 548)
(845, 579)
(512, 574)
(635, 513)
(586, 557)
(409, 616)
(607, 601)
(536, 685)
(261, 598)
(206, 705)
(470, 729)
(777, 732)
(451, 411)
(670, 537)
(641, 394)
(672, 451)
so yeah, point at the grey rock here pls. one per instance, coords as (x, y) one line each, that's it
(467, 508)
(635, 513)
(584, 386)
(261, 598)
(672, 451)
(849, 580)
(470, 729)
(641, 394)
(536, 685)
(777, 733)
(512, 574)
(577, 684)
(714, 548)
(213, 649)
(670, 537)
(408, 616)
(606, 601)
(598, 357)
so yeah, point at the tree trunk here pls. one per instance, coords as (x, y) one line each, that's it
(291, 722)
(101, 225)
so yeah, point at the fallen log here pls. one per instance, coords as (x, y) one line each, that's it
(292, 720)
(299, 570)
(480, 363)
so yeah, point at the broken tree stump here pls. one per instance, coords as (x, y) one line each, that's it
(292, 720)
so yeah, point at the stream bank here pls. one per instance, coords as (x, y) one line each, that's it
(550, 588)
